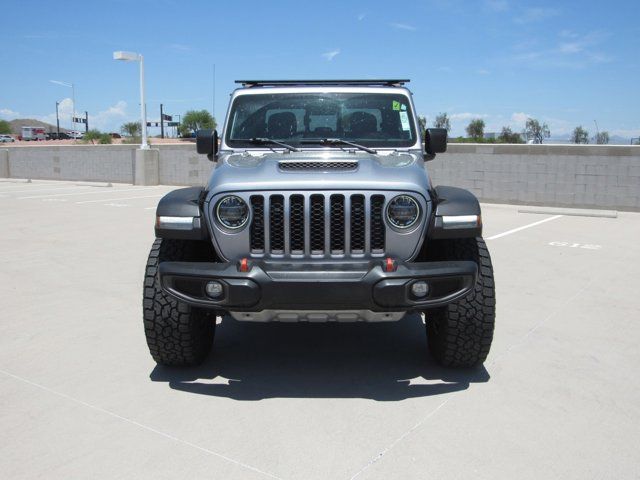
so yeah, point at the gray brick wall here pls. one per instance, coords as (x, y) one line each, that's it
(597, 176)
(181, 165)
(100, 163)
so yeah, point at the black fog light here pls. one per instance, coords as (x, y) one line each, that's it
(214, 289)
(419, 289)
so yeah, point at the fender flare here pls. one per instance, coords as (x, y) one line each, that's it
(457, 214)
(179, 215)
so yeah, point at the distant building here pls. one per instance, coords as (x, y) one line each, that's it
(490, 135)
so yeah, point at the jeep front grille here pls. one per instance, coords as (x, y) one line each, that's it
(317, 224)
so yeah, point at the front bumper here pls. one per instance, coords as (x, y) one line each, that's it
(271, 285)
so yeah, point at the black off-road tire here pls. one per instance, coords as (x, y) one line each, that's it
(177, 334)
(460, 334)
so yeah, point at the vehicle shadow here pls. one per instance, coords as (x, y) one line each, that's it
(383, 361)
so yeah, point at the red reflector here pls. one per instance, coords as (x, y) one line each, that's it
(389, 265)
(244, 265)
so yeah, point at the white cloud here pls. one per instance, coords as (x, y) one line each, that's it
(574, 51)
(627, 132)
(497, 5)
(483, 71)
(519, 118)
(8, 114)
(568, 34)
(105, 120)
(457, 117)
(64, 113)
(531, 15)
(572, 47)
(179, 47)
(361, 16)
(403, 26)
(111, 118)
(330, 55)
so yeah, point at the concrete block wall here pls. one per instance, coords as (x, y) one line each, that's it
(181, 165)
(98, 163)
(589, 176)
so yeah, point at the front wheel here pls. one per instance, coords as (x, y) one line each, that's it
(177, 334)
(460, 334)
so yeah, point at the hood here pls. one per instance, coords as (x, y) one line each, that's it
(326, 169)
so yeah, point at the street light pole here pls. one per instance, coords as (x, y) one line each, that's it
(57, 120)
(73, 103)
(143, 106)
(73, 108)
(136, 57)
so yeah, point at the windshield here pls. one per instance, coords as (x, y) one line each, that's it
(370, 119)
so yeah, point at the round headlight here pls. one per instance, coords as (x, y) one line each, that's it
(403, 211)
(232, 212)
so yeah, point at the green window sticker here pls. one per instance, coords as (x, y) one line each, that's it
(396, 105)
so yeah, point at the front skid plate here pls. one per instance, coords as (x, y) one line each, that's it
(318, 316)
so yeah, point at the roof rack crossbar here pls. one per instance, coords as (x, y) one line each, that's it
(275, 83)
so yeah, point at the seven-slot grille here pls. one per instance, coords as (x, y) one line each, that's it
(317, 224)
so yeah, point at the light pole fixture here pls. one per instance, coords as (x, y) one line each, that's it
(73, 104)
(136, 57)
(57, 120)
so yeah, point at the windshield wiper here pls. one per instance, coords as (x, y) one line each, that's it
(337, 141)
(263, 141)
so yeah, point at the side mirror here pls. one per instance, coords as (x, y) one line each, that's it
(435, 140)
(207, 143)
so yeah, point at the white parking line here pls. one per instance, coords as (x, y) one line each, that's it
(116, 199)
(119, 190)
(509, 232)
(8, 187)
(70, 187)
(168, 436)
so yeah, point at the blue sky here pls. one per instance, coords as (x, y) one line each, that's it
(567, 63)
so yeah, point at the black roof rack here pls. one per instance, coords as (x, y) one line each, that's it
(277, 83)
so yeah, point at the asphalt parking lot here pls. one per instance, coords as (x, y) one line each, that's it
(80, 396)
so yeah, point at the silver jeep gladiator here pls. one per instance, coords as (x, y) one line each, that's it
(319, 208)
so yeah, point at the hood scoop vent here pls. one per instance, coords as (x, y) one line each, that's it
(301, 166)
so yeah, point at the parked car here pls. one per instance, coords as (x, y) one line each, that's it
(115, 135)
(319, 208)
(57, 136)
(76, 134)
(6, 139)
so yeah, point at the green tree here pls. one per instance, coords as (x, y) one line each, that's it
(95, 136)
(580, 135)
(602, 138)
(534, 130)
(422, 120)
(131, 129)
(442, 121)
(475, 129)
(195, 120)
(509, 136)
(5, 127)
